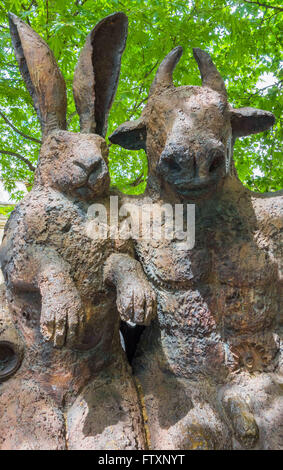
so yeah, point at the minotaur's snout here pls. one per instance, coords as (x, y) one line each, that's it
(191, 169)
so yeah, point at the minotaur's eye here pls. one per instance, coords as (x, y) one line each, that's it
(173, 165)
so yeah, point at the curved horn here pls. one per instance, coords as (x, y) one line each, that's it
(209, 74)
(97, 72)
(163, 77)
(41, 74)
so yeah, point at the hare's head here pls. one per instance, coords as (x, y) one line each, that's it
(75, 164)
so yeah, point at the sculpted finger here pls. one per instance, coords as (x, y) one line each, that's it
(125, 306)
(139, 307)
(73, 326)
(61, 321)
(153, 303)
(47, 323)
(81, 327)
(150, 309)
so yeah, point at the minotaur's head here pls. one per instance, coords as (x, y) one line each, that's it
(188, 132)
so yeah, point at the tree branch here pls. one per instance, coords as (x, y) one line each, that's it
(136, 107)
(278, 84)
(47, 19)
(71, 117)
(18, 131)
(79, 5)
(265, 5)
(33, 2)
(20, 157)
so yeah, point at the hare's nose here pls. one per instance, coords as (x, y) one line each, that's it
(99, 175)
(93, 162)
(89, 163)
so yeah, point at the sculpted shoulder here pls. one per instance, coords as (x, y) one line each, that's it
(48, 213)
(269, 209)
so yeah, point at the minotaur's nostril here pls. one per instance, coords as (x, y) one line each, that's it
(169, 161)
(96, 171)
(173, 165)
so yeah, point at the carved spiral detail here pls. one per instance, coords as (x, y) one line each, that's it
(251, 356)
(10, 359)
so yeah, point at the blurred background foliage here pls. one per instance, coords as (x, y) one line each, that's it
(243, 37)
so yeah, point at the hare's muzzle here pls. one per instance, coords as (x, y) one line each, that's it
(98, 177)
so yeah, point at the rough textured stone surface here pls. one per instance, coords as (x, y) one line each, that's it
(243, 421)
(218, 303)
(74, 388)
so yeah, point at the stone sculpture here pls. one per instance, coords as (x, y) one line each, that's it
(66, 383)
(207, 368)
(208, 365)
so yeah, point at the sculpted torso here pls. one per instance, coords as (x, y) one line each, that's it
(214, 348)
(222, 296)
(56, 228)
(73, 362)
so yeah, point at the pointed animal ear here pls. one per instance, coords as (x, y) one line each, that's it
(97, 72)
(130, 135)
(246, 121)
(41, 74)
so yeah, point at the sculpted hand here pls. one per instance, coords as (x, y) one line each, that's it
(136, 300)
(61, 311)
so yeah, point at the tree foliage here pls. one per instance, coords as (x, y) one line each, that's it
(243, 38)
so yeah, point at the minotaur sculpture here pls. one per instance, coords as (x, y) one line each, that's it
(73, 388)
(208, 364)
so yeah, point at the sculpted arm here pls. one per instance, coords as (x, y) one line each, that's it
(61, 308)
(136, 300)
(269, 211)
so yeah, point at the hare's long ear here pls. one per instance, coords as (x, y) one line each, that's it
(97, 72)
(41, 74)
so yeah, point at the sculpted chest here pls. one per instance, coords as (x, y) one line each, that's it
(58, 227)
(218, 257)
(226, 282)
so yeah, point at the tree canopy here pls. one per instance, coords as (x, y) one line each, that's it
(243, 38)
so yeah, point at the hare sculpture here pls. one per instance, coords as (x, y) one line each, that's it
(73, 389)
